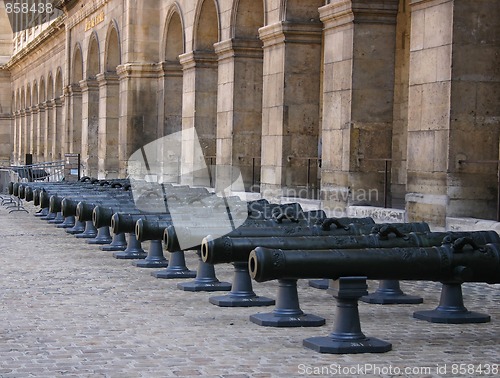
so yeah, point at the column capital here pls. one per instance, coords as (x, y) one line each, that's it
(234, 48)
(342, 12)
(48, 104)
(89, 85)
(72, 89)
(107, 78)
(137, 70)
(56, 102)
(291, 32)
(169, 68)
(199, 59)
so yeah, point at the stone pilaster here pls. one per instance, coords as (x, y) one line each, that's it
(109, 91)
(138, 109)
(453, 110)
(290, 111)
(239, 107)
(90, 126)
(358, 88)
(199, 111)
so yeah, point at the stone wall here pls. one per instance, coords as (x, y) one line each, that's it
(288, 92)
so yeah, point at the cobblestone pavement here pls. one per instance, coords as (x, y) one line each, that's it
(70, 309)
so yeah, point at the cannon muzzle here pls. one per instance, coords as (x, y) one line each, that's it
(460, 261)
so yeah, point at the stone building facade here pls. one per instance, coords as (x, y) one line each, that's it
(304, 96)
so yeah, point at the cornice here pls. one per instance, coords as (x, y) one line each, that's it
(55, 27)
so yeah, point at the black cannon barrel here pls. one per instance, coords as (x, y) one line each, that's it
(232, 249)
(151, 229)
(461, 261)
(84, 209)
(270, 228)
(122, 222)
(101, 215)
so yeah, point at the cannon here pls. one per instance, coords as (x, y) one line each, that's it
(453, 263)
(125, 223)
(460, 261)
(241, 293)
(282, 226)
(223, 250)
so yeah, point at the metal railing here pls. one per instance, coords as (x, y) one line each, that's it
(48, 171)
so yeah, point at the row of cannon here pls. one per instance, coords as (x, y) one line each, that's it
(273, 242)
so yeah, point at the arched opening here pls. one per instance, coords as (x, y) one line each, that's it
(34, 120)
(207, 27)
(172, 83)
(249, 18)
(40, 138)
(90, 110)
(22, 126)
(201, 82)
(27, 124)
(112, 52)
(291, 120)
(49, 119)
(60, 135)
(302, 11)
(75, 106)
(240, 122)
(109, 92)
(93, 58)
(170, 87)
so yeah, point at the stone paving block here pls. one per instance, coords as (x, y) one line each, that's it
(71, 310)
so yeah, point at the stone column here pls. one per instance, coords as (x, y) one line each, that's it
(49, 132)
(109, 90)
(74, 118)
(138, 111)
(290, 110)
(38, 149)
(454, 112)
(90, 126)
(199, 111)
(239, 107)
(358, 90)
